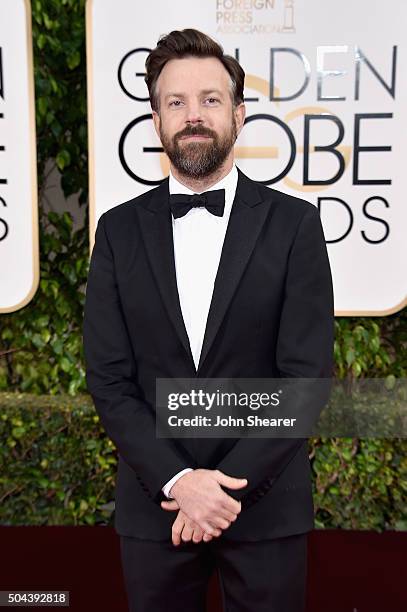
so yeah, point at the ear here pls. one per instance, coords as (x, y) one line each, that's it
(240, 115)
(156, 121)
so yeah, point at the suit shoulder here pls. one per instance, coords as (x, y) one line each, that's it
(289, 205)
(126, 209)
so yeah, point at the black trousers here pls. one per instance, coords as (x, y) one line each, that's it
(261, 576)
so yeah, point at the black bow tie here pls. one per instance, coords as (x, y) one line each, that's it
(214, 201)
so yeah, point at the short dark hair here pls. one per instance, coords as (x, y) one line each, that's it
(189, 42)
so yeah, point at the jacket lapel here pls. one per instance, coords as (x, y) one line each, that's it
(249, 211)
(156, 228)
(247, 217)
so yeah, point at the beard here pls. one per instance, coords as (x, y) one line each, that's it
(199, 159)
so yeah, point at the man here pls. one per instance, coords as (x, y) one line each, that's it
(228, 284)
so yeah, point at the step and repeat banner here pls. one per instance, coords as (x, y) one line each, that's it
(325, 93)
(19, 252)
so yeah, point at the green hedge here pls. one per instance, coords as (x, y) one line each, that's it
(57, 468)
(56, 465)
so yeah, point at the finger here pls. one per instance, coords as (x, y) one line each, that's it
(206, 537)
(187, 531)
(226, 514)
(176, 531)
(229, 481)
(231, 504)
(197, 534)
(176, 537)
(210, 529)
(170, 505)
(220, 522)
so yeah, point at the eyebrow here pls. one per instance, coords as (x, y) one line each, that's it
(203, 91)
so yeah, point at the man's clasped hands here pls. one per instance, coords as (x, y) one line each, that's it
(204, 508)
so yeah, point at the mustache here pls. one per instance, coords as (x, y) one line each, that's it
(197, 131)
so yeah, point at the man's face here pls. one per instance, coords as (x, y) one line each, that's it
(197, 124)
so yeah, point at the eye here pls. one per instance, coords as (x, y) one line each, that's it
(175, 102)
(213, 99)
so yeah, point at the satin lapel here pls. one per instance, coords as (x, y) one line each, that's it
(156, 228)
(246, 220)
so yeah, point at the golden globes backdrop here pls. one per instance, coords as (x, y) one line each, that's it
(326, 102)
(19, 258)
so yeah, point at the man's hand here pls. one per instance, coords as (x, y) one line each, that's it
(185, 530)
(200, 496)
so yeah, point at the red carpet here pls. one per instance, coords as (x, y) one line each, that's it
(348, 571)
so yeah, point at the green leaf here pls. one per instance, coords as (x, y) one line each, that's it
(65, 364)
(42, 104)
(47, 21)
(63, 159)
(74, 60)
(350, 356)
(41, 40)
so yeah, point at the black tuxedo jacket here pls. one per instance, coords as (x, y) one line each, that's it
(271, 316)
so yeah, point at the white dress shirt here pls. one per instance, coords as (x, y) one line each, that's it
(198, 241)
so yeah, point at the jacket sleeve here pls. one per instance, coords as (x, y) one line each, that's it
(111, 376)
(304, 350)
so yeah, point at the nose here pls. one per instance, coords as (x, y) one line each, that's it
(194, 113)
